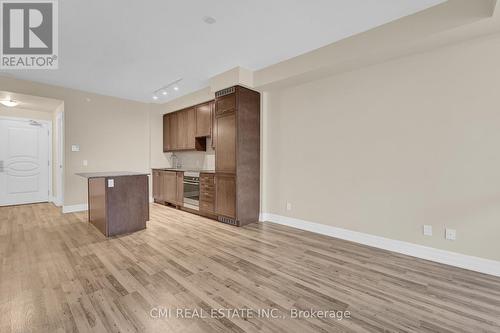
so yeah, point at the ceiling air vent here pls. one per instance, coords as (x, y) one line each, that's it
(224, 92)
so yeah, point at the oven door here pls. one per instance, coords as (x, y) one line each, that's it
(192, 193)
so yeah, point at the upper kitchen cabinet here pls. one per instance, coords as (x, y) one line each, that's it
(204, 119)
(180, 131)
(167, 139)
(237, 155)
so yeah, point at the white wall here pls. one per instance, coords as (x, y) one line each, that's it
(386, 149)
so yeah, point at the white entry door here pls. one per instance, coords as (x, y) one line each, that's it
(24, 162)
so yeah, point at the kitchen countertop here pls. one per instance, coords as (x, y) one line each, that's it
(110, 174)
(185, 170)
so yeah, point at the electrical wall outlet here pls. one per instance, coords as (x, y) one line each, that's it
(85, 163)
(111, 183)
(450, 234)
(289, 206)
(428, 230)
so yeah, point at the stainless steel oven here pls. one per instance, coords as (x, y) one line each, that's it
(192, 190)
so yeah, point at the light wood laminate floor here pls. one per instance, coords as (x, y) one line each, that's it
(59, 274)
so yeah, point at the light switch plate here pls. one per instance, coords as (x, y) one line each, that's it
(428, 230)
(450, 234)
(85, 163)
(111, 183)
(75, 147)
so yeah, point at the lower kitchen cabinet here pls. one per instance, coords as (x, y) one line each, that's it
(225, 195)
(157, 185)
(168, 186)
(180, 188)
(207, 193)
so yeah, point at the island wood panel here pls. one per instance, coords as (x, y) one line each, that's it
(97, 202)
(127, 204)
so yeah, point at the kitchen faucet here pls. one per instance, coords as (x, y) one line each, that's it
(175, 161)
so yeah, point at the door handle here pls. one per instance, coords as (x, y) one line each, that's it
(1, 166)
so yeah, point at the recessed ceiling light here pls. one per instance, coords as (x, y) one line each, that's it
(164, 93)
(10, 103)
(176, 88)
(155, 97)
(209, 20)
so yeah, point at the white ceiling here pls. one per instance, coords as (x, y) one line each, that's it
(130, 48)
(29, 102)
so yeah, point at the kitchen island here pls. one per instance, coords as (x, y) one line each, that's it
(118, 202)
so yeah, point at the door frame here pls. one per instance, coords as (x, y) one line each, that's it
(50, 198)
(59, 198)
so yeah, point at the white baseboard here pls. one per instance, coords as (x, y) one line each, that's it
(74, 208)
(55, 202)
(477, 264)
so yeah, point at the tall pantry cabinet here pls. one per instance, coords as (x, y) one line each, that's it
(236, 136)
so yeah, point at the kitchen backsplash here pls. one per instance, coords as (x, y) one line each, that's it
(198, 159)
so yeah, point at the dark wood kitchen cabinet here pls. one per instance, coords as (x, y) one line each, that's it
(170, 132)
(225, 157)
(167, 134)
(214, 126)
(237, 155)
(168, 187)
(180, 188)
(225, 185)
(157, 185)
(186, 129)
(204, 120)
(181, 129)
(207, 193)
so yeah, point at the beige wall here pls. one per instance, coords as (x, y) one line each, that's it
(113, 133)
(386, 149)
